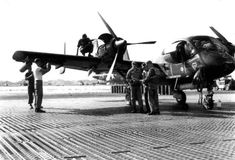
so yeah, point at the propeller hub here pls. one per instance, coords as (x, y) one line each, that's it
(119, 43)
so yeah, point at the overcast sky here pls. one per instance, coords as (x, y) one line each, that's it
(44, 25)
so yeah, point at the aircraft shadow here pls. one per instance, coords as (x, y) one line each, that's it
(173, 109)
(95, 112)
(196, 110)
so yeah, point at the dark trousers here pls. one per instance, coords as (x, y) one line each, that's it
(153, 100)
(30, 94)
(87, 49)
(38, 94)
(146, 98)
(136, 95)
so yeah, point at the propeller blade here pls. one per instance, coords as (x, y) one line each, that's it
(108, 27)
(219, 35)
(112, 67)
(149, 42)
(62, 69)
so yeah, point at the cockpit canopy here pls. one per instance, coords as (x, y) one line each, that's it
(182, 50)
(179, 51)
(207, 43)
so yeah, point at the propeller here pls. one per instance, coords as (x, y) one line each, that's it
(118, 43)
(108, 27)
(148, 42)
(219, 35)
(62, 68)
(111, 69)
(230, 46)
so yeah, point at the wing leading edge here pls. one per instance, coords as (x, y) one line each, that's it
(68, 61)
(74, 62)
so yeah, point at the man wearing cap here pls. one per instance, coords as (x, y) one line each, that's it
(85, 45)
(152, 79)
(133, 77)
(38, 73)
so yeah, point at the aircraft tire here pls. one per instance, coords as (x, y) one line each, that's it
(181, 99)
(128, 98)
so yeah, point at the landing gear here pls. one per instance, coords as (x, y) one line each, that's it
(180, 97)
(128, 96)
(208, 102)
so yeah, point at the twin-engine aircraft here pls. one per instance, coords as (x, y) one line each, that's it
(195, 62)
(192, 63)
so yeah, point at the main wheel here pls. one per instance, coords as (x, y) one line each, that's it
(180, 97)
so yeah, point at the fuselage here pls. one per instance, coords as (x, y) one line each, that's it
(193, 53)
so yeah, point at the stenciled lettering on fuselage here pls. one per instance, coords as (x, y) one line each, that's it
(177, 70)
(185, 69)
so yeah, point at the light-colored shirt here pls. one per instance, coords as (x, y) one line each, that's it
(38, 73)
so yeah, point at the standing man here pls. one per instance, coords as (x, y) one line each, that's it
(29, 77)
(38, 73)
(85, 45)
(134, 76)
(145, 87)
(152, 79)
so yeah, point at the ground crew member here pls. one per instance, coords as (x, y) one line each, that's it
(38, 73)
(29, 77)
(145, 87)
(152, 79)
(133, 77)
(85, 45)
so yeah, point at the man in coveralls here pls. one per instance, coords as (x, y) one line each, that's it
(134, 77)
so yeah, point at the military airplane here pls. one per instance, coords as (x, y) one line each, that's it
(192, 63)
(195, 62)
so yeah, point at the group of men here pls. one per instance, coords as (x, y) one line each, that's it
(147, 76)
(144, 76)
(35, 83)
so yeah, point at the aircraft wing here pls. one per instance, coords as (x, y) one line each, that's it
(68, 61)
(71, 61)
(74, 62)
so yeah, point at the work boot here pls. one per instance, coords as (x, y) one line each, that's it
(31, 106)
(151, 113)
(141, 110)
(157, 112)
(39, 110)
(133, 111)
